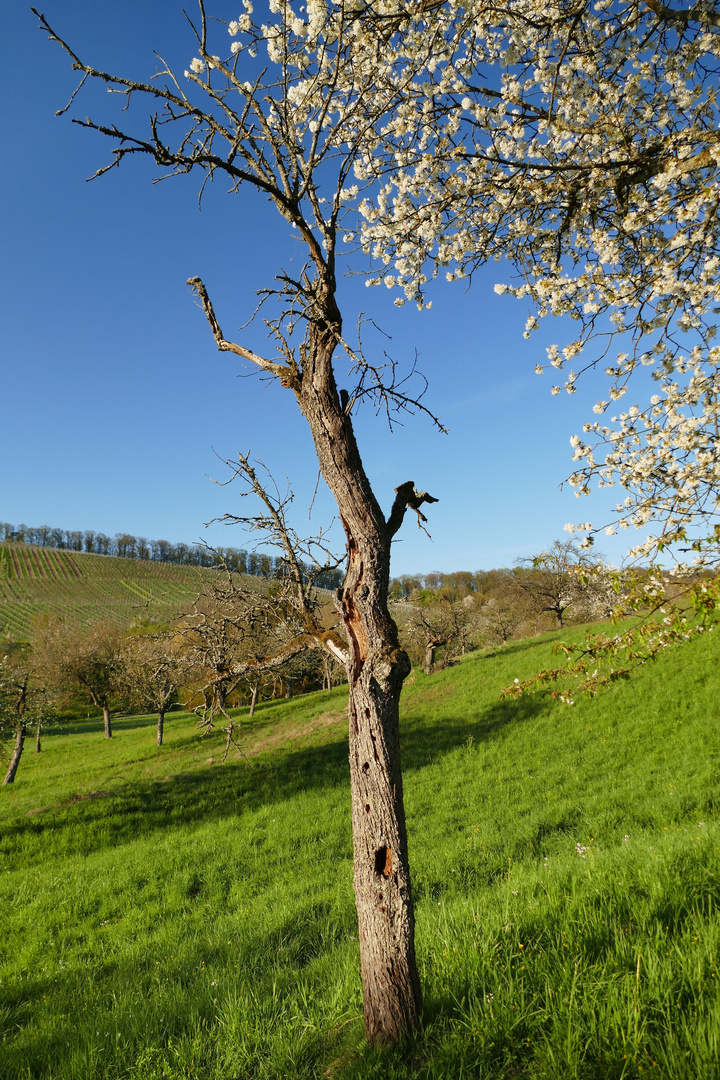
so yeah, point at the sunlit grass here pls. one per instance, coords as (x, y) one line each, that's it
(192, 919)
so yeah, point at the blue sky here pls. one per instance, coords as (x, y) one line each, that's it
(116, 401)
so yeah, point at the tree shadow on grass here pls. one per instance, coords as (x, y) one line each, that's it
(215, 791)
(95, 725)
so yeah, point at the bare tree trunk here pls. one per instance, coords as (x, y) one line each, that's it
(37, 737)
(253, 700)
(160, 726)
(106, 718)
(376, 668)
(429, 658)
(289, 688)
(386, 923)
(16, 754)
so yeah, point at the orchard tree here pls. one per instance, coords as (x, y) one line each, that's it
(153, 671)
(15, 675)
(500, 616)
(556, 579)
(578, 142)
(292, 124)
(89, 659)
(14, 679)
(435, 623)
(25, 700)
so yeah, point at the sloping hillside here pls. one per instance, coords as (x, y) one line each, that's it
(168, 916)
(85, 587)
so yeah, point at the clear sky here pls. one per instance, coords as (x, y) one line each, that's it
(116, 403)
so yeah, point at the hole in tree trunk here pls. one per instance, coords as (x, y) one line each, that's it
(383, 862)
(366, 766)
(367, 807)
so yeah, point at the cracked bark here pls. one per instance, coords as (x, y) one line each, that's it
(376, 668)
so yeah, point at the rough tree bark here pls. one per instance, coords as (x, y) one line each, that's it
(376, 668)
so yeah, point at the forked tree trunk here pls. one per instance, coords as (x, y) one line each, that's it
(16, 754)
(253, 700)
(376, 668)
(160, 726)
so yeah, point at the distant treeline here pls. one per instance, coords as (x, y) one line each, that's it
(125, 546)
(454, 585)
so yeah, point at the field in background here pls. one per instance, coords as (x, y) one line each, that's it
(85, 587)
(168, 917)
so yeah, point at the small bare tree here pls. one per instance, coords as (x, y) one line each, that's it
(240, 633)
(86, 658)
(153, 672)
(435, 623)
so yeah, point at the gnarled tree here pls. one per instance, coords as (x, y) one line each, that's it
(293, 127)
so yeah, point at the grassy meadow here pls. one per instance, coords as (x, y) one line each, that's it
(168, 916)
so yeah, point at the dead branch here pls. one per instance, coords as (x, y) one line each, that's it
(407, 495)
(287, 376)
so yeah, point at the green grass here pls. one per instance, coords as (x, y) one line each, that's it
(166, 916)
(85, 587)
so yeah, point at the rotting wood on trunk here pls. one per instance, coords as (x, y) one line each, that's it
(376, 668)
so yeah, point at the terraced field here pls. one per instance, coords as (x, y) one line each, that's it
(87, 587)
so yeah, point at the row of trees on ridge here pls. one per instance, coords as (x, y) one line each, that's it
(127, 546)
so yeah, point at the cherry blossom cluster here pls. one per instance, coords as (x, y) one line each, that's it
(578, 142)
